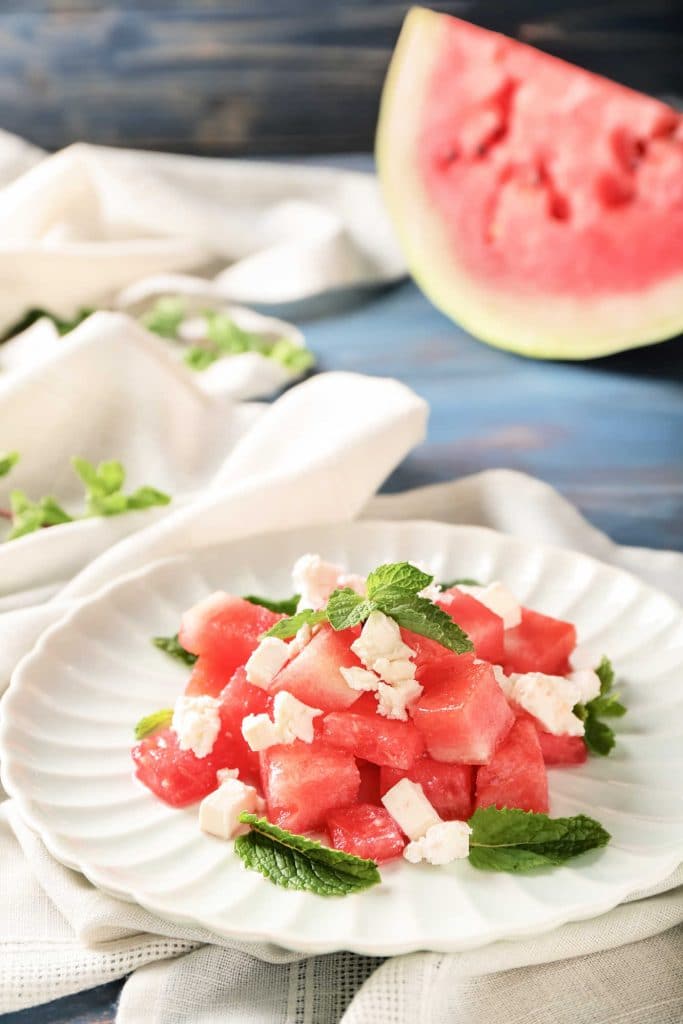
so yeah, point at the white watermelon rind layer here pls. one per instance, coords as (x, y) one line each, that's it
(541, 326)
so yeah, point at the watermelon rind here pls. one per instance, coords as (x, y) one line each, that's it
(535, 325)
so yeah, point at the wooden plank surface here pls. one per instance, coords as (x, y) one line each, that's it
(272, 76)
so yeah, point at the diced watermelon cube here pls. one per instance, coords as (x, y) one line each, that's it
(225, 628)
(426, 650)
(369, 792)
(539, 644)
(303, 782)
(209, 676)
(516, 775)
(179, 777)
(373, 737)
(463, 714)
(484, 628)
(313, 675)
(365, 831)
(448, 787)
(556, 749)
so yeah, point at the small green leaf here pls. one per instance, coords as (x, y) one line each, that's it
(291, 626)
(465, 581)
(165, 317)
(346, 608)
(172, 646)
(605, 673)
(7, 461)
(146, 497)
(516, 840)
(29, 516)
(293, 357)
(598, 736)
(199, 358)
(295, 862)
(287, 606)
(103, 493)
(150, 723)
(426, 618)
(395, 576)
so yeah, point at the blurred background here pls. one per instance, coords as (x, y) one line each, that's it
(273, 76)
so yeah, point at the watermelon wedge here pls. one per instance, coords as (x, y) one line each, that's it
(538, 205)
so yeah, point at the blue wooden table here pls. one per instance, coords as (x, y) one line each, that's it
(608, 434)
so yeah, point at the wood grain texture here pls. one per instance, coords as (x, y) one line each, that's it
(272, 76)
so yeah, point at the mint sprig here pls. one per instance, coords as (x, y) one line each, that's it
(518, 841)
(150, 723)
(295, 862)
(291, 626)
(104, 489)
(172, 646)
(29, 516)
(7, 461)
(165, 316)
(394, 590)
(599, 737)
(286, 606)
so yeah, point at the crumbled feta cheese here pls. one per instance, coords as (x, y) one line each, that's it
(588, 683)
(293, 718)
(550, 699)
(196, 722)
(360, 678)
(353, 582)
(410, 808)
(442, 843)
(265, 662)
(393, 701)
(260, 732)
(380, 638)
(398, 671)
(499, 599)
(227, 773)
(582, 657)
(503, 681)
(219, 812)
(301, 639)
(314, 580)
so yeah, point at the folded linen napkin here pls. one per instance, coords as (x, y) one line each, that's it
(60, 934)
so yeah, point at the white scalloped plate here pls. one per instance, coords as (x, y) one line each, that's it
(69, 713)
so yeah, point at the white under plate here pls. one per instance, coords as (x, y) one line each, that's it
(69, 715)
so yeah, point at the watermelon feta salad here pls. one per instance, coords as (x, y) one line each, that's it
(389, 716)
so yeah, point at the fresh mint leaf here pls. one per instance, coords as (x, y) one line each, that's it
(295, 862)
(599, 737)
(287, 606)
(103, 489)
(228, 338)
(605, 673)
(150, 723)
(165, 317)
(394, 576)
(146, 497)
(464, 581)
(200, 358)
(346, 608)
(172, 646)
(608, 706)
(291, 626)
(29, 516)
(424, 617)
(293, 357)
(7, 461)
(516, 840)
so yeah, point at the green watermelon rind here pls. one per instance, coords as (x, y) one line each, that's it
(542, 326)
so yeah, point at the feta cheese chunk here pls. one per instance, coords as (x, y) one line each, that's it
(398, 671)
(293, 718)
(219, 812)
(360, 678)
(551, 699)
(442, 843)
(394, 701)
(301, 639)
(260, 732)
(380, 638)
(410, 808)
(196, 722)
(581, 657)
(499, 599)
(314, 580)
(588, 683)
(265, 662)
(503, 681)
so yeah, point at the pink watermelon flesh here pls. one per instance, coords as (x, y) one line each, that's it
(462, 714)
(365, 831)
(313, 676)
(538, 204)
(226, 629)
(562, 749)
(373, 737)
(539, 644)
(448, 787)
(303, 782)
(484, 627)
(515, 775)
(369, 792)
(209, 676)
